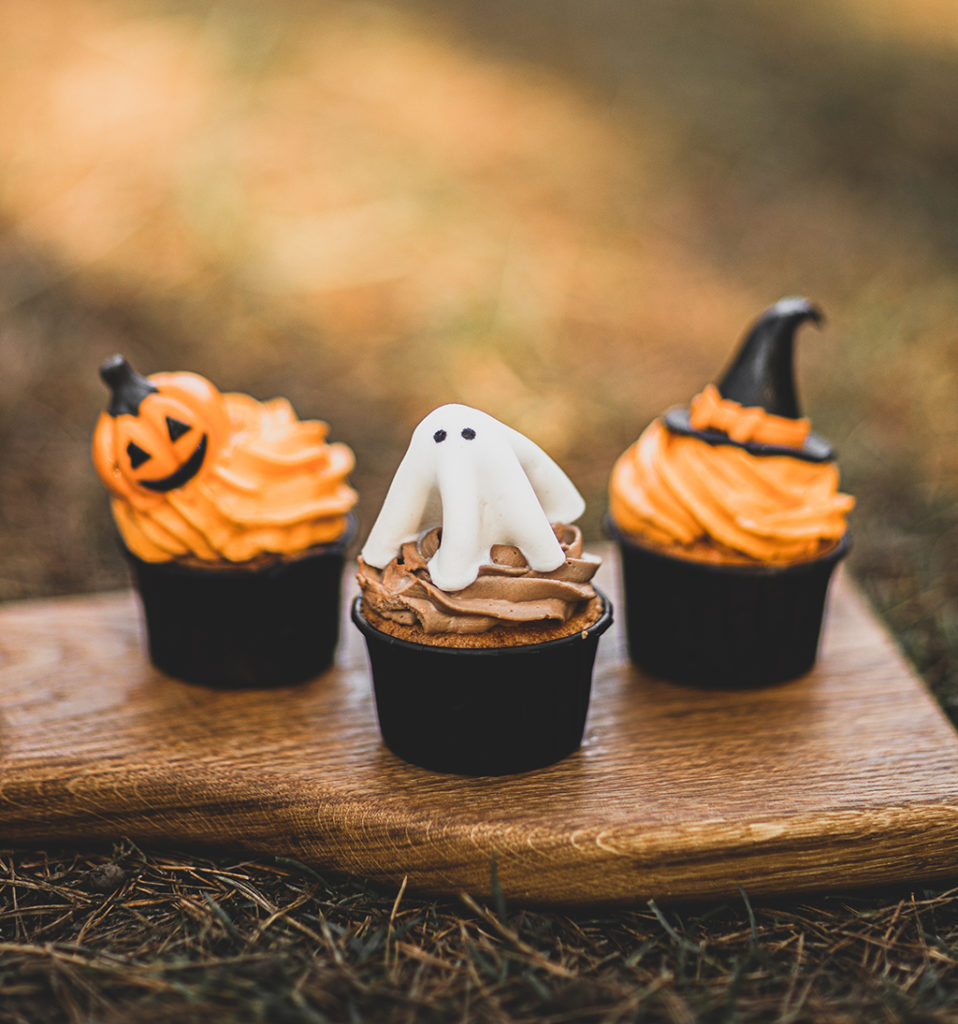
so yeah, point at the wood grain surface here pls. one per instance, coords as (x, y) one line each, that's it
(846, 777)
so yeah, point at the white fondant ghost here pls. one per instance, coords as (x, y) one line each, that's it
(484, 484)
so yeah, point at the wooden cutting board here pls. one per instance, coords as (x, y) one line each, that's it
(846, 777)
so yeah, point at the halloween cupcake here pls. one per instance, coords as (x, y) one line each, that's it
(234, 517)
(476, 603)
(730, 522)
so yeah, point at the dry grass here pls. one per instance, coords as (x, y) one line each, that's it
(149, 937)
(564, 213)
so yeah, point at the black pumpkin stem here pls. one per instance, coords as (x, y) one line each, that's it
(762, 373)
(127, 386)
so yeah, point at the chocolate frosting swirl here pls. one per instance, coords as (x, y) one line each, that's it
(506, 591)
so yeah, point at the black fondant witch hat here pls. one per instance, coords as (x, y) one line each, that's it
(762, 374)
(128, 388)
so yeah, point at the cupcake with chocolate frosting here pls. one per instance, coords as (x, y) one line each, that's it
(730, 522)
(234, 516)
(476, 602)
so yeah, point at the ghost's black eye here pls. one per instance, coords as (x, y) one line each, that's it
(440, 435)
(137, 455)
(177, 428)
(468, 433)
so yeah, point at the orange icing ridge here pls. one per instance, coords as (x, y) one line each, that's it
(710, 411)
(270, 484)
(719, 502)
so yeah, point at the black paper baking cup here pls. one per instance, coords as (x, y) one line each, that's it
(725, 626)
(234, 627)
(482, 711)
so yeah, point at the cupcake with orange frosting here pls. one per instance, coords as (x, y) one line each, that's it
(234, 516)
(730, 523)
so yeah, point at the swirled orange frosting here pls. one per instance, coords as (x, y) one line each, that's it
(274, 488)
(719, 502)
(506, 593)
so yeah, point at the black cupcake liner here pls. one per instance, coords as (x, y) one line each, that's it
(234, 627)
(722, 625)
(484, 711)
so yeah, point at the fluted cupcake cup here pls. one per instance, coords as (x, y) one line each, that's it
(486, 710)
(239, 627)
(722, 626)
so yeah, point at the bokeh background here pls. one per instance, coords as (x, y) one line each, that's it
(565, 212)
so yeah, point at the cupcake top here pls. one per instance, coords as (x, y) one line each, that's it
(474, 532)
(738, 476)
(196, 475)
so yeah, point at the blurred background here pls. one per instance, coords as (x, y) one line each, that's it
(565, 212)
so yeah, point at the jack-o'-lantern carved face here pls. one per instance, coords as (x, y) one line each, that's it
(158, 433)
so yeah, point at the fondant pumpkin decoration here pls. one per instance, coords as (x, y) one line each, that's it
(158, 433)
